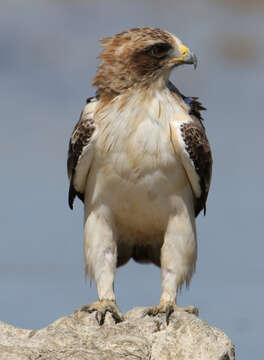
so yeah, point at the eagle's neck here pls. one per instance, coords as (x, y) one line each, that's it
(140, 108)
(107, 90)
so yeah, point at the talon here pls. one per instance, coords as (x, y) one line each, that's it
(117, 317)
(153, 311)
(101, 308)
(100, 317)
(192, 310)
(169, 311)
(168, 308)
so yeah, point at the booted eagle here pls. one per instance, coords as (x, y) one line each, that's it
(140, 161)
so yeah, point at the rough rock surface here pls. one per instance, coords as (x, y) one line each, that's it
(79, 337)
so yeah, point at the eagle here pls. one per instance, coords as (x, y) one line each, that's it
(140, 161)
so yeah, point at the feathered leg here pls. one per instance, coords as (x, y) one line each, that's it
(100, 252)
(178, 259)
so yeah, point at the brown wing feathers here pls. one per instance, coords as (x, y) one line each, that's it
(199, 151)
(197, 146)
(81, 137)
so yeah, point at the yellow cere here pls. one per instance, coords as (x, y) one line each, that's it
(184, 50)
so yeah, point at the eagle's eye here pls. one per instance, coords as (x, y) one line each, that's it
(160, 50)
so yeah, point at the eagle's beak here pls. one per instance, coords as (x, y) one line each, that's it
(187, 57)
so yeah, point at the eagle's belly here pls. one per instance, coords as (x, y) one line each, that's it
(143, 182)
(142, 209)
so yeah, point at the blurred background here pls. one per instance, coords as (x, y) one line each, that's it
(48, 59)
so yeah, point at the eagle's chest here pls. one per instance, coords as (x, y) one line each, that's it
(143, 148)
(137, 140)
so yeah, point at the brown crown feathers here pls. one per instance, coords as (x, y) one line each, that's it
(134, 57)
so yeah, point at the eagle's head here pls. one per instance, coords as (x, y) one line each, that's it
(139, 57)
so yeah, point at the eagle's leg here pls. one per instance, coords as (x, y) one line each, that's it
(178, 259)
(100, 252)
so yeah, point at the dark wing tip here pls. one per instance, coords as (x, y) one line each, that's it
(71, 196)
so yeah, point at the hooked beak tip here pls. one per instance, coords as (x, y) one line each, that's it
(195, 61)
(190, 58)
(187, 58)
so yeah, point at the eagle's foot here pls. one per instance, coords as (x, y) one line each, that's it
(168, 307)
(101, 308)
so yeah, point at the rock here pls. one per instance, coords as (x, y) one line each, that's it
(79, 337)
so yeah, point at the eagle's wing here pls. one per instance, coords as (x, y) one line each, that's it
(192, 146)
(81, 151)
